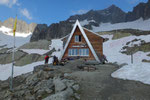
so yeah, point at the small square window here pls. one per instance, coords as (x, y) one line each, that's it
(77, 38)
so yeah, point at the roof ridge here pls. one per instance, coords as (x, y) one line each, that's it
(92, 32)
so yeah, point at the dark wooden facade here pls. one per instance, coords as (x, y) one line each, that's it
(95, 40)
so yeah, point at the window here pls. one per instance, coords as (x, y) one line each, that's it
(84, 52)
(73, 52)
(77, 38)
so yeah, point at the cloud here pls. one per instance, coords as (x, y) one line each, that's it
(26, 13)
(9, 3)
(81, 11)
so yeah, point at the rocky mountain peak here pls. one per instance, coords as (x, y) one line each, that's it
(112, 7)
(22, 26)
(112, 14)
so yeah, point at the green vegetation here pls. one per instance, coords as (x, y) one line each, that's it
(105, 33)
(119, 35)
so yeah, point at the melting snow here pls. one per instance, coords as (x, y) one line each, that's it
(139, 70)
(5, 70)
(9, 31)
(86, 22)
(8, 40)
(138, 24)
(6, 37)
(35, 51)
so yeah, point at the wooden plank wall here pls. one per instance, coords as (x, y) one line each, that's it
(73, 43)
(96, 41)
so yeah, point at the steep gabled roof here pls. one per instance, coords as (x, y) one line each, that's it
(92, 32)
(85, 37)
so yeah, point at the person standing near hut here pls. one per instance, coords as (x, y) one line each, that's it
(103, 59)
(46, 60)
(55, 60)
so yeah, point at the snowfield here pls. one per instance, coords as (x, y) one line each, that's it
(35, 51)
(9, 31)
(139, 70)
(138, 24)
(8, 40)
(5, 70)
(6, 37)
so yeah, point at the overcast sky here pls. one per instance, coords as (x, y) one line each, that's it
(52, 11)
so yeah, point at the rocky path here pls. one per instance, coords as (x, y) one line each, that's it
(99, 85)
(71, 83)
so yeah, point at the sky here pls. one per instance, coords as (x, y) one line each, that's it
(53, 11)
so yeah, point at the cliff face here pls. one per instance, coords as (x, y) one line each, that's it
(141, 10)
(22, 26)
(111, 14)
(39, 32)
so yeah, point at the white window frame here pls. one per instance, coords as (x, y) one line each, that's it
(84, 52)
(77, 38)
(72, 52)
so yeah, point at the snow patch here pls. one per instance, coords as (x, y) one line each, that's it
(57, 44)
(8, 40)
(138, 71)
(35, 51)
(9, 31)
(5, 70)
(86, 22)
(137, 24)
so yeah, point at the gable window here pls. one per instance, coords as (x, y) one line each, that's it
(73, 52)
(84, 52)
(77, 38)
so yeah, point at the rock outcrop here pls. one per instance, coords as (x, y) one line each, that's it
(139, 11)
(55, 30)
(40, 85)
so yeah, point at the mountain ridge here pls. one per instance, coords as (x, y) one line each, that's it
(112, 14)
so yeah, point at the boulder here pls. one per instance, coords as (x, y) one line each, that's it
(75, 87)
(59, 85)
(32, 80)
(64, 95)
(44, 86)
(69, 83)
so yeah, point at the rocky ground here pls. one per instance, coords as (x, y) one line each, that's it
(71, 82)
(44, 83)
